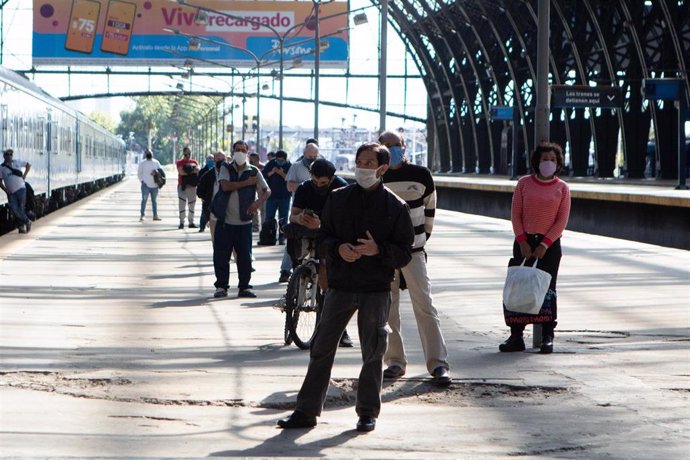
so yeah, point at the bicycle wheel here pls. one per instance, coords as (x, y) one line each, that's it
(303, 307)
(287, 336)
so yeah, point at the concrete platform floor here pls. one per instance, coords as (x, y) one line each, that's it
(112, 346)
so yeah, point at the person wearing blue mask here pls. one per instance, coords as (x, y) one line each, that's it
(276, 172)
(415, 185)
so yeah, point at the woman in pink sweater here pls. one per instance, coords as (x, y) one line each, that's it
(540, 210)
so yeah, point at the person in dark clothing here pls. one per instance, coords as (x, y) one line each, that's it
(206, 198)
(368, 235)
(275, 173)
(310, 198)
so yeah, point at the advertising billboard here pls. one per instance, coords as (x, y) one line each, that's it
(205, 32)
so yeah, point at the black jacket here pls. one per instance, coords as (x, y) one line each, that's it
(207, 178)
(347, 215)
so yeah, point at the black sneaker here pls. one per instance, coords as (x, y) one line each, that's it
(192, 226)
(181, 225)
(441, 376)
(345, 341)
(297, 419)
(246, 293)
(28, 226)
(514, 343)
(284, 276)
(220, 292)
(546, 345)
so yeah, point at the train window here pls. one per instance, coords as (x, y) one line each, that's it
(40, 126)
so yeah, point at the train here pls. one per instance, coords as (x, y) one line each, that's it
(70, 155)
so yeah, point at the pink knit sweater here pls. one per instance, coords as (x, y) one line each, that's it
(540, 207)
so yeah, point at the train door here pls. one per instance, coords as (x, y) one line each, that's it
(49, 149)
(77, 143)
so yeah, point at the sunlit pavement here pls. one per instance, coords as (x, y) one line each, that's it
(112, 345)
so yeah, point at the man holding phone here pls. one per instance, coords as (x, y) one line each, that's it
(310, 197)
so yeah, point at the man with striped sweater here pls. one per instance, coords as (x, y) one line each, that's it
(415, 185)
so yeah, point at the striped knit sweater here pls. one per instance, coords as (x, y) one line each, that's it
(415, 185)
(540, 207)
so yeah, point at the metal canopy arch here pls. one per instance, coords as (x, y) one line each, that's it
(595, 41)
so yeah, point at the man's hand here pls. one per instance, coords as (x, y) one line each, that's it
(253, 207)
(348, 252)
(525, 249)
(367, 246)
(251, 180)
(313, 222)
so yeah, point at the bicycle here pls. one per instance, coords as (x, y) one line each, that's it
(303, 300)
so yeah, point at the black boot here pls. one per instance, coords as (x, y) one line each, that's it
(547, 338)
(515, 342)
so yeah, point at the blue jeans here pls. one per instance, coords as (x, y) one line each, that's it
(227, 238)
(282, 205)
(17, 202)
(145, 192)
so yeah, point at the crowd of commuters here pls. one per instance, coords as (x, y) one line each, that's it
(372, 236)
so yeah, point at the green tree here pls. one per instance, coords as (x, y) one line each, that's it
(171, 122)
(104, 120)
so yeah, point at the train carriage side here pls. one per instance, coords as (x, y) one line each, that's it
(70, 155)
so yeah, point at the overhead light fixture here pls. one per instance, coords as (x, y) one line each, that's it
(324, 45)
(185, 75)
(188, 63)
(265, 87)
(201, 18)
(179, 85)
(360, 19)
(194, 44)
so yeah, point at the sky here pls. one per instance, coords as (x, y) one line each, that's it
(17, 29)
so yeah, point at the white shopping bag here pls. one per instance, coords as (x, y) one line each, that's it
(525, 288)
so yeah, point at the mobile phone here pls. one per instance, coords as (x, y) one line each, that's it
(119, 22)
(309, 212)
(81, 31)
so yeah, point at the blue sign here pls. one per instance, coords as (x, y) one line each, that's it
(579, 96)
(501, 112)
(662, 88)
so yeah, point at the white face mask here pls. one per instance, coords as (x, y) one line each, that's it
(240, 157)
(366, 178)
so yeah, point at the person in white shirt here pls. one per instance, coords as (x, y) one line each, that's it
(148, 185)
(12, 182)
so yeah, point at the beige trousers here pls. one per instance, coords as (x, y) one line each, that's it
(428, 325)
(187, 201)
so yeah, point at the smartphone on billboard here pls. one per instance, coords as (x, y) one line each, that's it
(81, 30)
(119, 22)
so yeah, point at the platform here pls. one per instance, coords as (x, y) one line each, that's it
(112, 346)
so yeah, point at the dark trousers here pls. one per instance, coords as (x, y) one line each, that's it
(549, 263)
(227, 238)
(372, 316)
(205, 214)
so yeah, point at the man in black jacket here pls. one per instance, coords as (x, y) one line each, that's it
(369, 234)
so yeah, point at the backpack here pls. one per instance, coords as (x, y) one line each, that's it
(205, 188)
(159, 177)
(267, 235)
